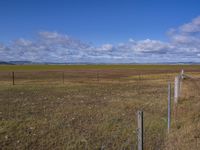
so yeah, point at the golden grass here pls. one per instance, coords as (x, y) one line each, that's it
(99, 67)
(186, 129)
(84, 113)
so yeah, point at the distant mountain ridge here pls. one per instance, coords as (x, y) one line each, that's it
(5, 63)
(84, 63)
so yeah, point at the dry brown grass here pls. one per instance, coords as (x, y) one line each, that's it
(186, 129)
(84, 113)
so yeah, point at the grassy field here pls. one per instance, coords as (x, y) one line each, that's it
(84, 67)
(186, 130)
(95, 107)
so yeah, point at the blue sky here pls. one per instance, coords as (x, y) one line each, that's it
(117, 31)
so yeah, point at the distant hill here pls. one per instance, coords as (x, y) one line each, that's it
(89, 63)
(5, 63)
(21, 62)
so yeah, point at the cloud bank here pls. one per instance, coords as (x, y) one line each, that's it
(183, 46)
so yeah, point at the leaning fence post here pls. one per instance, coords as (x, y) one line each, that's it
(13, 78)
(140, 130)
(177, 92)
(176, 89)
(169, 107)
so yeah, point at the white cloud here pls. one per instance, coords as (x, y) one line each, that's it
(2, 47)
(184, 45)
(187, 33)
(191, 27)
(145, 46)
(105, 47)
(22, 42)
(55, 38)
(150, 45)
(186, 38)
(51, 35)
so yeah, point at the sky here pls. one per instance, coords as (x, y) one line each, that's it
(100, 31)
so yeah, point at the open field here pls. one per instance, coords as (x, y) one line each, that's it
(85, 67)
(94, 107)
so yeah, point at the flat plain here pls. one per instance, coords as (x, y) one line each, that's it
(90, 106)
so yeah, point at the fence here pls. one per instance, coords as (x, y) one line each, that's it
(177, 94)
(73, 76)
(61, 77)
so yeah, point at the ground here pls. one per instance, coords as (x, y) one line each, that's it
(85, 106)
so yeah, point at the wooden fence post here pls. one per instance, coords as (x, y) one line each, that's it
(182, 76)
(13, 78)
(98, 76)
(140, 130)
(176, 89)
(182, 72)
(63, 77)
(177, 93)
(169, 107)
